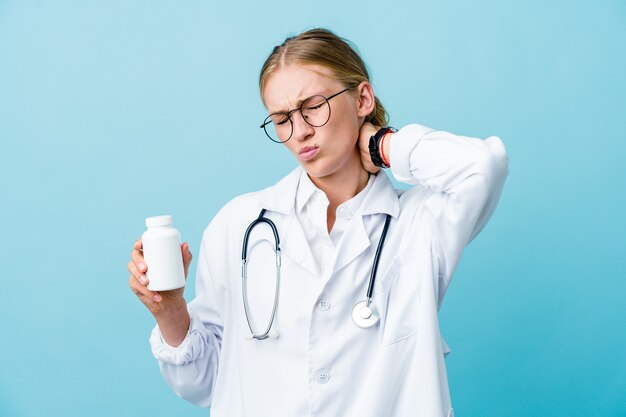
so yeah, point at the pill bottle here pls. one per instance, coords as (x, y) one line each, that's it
(162, 253)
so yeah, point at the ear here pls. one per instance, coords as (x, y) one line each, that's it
(365, 99)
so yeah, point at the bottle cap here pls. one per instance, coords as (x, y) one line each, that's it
(157, 221)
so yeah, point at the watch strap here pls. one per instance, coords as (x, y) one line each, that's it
(374, 146)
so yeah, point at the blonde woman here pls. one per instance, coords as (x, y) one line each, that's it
(333, 311)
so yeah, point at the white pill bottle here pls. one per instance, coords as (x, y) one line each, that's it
(162, 253)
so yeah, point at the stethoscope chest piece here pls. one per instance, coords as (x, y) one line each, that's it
(365, 316)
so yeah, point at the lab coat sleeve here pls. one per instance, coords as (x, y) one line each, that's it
(464, 178)
(191, 368)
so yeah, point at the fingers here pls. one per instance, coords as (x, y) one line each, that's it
(137, 266)
(187, 256)
(137, 274)
(366, 161)
(143, 293)
(367, 130)
(186, 252)
(138, 279)
(138, 270)
(137, 254)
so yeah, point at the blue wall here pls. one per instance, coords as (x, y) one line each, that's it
(114, 111)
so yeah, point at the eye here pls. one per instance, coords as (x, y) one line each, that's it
(279, 118)
(314, 103)
(315, 107)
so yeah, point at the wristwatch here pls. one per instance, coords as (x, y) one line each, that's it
(375, 148)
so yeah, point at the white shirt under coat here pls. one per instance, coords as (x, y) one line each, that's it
(311, 211)
(322, 364)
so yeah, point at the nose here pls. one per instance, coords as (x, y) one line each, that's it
(301, 129)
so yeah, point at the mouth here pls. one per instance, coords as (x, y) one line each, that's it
(308, 152)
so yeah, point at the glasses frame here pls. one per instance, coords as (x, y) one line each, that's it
(268, 119)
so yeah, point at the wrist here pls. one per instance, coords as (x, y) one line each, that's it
(174, 324)
(377, 147)
(385, 147)
(174, 312)
(174, 316)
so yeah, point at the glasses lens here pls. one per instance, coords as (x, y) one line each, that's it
(278, 127)
(316, 111)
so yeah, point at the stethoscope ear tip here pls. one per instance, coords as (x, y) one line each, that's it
(274, 334)
(249, 337)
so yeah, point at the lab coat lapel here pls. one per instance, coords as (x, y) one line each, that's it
(281, 198)
(296, 247)
(380, 199)
(355, 241)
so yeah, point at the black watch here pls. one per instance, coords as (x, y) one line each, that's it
(374, 146)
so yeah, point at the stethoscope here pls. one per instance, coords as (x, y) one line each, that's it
(364, 314)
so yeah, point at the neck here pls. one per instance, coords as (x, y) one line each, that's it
(341, 186)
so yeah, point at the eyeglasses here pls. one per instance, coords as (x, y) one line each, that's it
(315, 110)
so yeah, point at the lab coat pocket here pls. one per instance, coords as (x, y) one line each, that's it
(398, 300)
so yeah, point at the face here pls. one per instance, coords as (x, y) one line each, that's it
(325, 150)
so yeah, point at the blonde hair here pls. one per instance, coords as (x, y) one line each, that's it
(323, 48)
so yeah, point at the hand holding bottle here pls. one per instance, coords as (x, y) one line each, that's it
(168, 307)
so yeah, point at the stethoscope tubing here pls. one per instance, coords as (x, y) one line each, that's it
(369, 320)
(246, 236)
(379, 249)
(244, 275)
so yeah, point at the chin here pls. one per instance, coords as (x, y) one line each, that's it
(319, 169)
(323, 166)
(315, 172)
(316, 168)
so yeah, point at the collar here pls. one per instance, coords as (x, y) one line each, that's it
(306, 190)
(381, 198)
(282, 197)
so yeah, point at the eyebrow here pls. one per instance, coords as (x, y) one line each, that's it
(298, 103)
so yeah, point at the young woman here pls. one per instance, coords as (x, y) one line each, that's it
(338, 316)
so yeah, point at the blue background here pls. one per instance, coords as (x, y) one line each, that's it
(114, 111)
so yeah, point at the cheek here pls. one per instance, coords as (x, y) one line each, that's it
(346, 132)
(290, 145)
(346, 127)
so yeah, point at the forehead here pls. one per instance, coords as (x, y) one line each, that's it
(286, 88)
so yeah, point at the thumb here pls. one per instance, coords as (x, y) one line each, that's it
(187, 256)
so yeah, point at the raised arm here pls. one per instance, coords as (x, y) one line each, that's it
(463, 178)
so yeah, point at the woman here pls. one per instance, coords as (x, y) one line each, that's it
(325, 350)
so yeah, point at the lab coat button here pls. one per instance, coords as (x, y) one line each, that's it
(323, 304)
(322, 376)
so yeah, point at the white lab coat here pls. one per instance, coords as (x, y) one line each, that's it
(322, 364)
